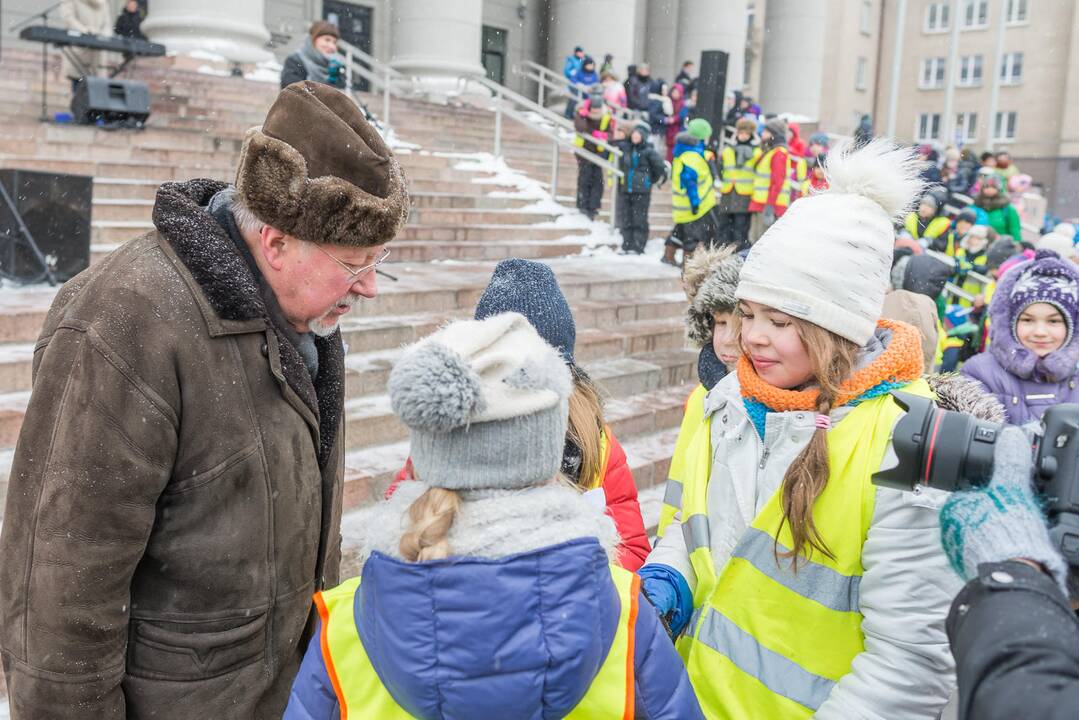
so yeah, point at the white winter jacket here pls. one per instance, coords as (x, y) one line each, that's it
(906, 670)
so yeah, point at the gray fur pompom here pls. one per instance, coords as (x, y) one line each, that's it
(433, 389)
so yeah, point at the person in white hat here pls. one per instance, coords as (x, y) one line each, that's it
(800, 587)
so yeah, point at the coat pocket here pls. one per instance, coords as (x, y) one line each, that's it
(166, 650)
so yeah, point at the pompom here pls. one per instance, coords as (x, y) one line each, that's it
(433, 389)
(880, 171)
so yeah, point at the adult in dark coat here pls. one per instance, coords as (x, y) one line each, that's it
(1014, 635)
(176, 492)
(129, 21)
(317, 59)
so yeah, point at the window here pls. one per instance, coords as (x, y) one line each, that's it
(1004, 126)
(932, 74)
(866, 19)
(966, 127)
(1016, 12)
(928, 127)
(936, 17)
(1011, 68)
(493, 53)
(975, 14)
(860, 74)
(970, 71)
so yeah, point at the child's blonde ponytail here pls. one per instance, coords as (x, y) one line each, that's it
(432, 515)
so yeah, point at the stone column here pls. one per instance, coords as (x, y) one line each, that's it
(233, 29)
(714, 25)
(661, 45)
(599, 26)
(792, 65)
(437, 42)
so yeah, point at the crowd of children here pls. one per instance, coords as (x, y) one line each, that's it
(508, 573)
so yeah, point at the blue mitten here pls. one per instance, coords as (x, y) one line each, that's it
(1002, 520)
(669, 593)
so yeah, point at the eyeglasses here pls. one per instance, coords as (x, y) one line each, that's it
(355, 273)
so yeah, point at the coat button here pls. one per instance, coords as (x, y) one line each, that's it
(963, 609)
(265, 350)
(1002, 577)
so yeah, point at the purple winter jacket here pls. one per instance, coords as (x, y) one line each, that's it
(1024, 383)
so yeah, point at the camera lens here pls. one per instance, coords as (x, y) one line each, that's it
(938, 448)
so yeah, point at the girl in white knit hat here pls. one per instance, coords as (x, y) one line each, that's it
(800, 588)
(489, 588)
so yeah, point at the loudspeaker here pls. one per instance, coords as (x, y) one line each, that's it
(711, 87)
(56, 210)
(111, 101)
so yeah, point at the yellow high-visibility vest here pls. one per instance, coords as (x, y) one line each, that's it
(681, 209)
(361, 693)
(767, 642)
(936, 227)
(692, 422)
(604, 123)
(800, 172)
(762, 180)
(738, 178)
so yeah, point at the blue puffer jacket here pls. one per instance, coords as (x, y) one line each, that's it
(518, 637)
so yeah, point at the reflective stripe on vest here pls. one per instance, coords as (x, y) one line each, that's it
(676, 474)
(771, 642)
(360, 691)
(681, 209)
(762, 180)
(936, 227)
(738, 177)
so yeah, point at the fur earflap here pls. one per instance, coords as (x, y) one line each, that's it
(963, 394)
(433, 389)
(879, 171)
(710, 280)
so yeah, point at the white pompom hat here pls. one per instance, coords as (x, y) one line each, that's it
(828, 259)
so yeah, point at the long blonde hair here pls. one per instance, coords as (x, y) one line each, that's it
(586, 424)
(432, 515)
(832, 360)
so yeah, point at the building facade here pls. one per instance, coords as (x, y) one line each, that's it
(980, 73)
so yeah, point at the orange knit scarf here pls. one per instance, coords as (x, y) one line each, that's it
(901, 362)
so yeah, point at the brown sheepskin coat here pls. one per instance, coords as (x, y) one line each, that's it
(175, 497)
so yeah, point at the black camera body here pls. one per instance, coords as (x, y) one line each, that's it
(953, 451)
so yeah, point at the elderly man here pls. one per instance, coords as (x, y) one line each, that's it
(175, 496)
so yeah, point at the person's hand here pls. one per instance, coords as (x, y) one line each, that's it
(979, 302)
(1002, 520)
(769, 214)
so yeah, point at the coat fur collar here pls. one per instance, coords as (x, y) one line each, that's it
(231, 289)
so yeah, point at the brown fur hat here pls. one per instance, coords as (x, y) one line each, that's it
(745, 125)
(317, 170)
(709, 279)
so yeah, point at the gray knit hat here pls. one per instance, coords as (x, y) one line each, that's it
(487, 402)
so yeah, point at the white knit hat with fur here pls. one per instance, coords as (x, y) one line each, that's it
(828, 259)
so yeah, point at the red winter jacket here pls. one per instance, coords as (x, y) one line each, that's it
(621, 495)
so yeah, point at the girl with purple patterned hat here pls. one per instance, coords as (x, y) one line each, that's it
(1033, 354)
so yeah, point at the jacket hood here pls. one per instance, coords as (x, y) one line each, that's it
(684, 142)
(1006, 348)
(518, 637)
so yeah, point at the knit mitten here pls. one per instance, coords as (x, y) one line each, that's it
(1002, 520)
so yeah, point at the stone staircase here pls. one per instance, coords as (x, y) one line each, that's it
(467, 213)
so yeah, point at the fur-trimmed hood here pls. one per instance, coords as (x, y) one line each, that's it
(1005, 346)
(960, 393)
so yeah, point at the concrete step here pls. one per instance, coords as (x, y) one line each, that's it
(124, 189)
(370, 419)
(371, 469)
(467, 216)
(368, 373)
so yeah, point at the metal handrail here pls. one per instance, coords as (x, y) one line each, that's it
(556, 128)
(389, 79)
(555, 85)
